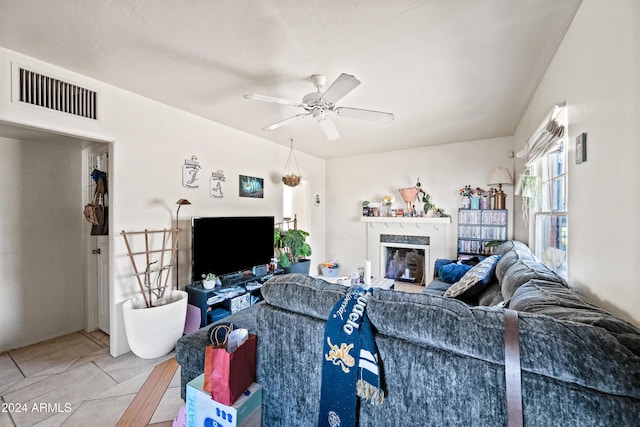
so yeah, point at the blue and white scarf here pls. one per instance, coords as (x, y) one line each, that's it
(348, 340)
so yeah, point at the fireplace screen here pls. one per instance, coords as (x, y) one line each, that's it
(404, 264)
(404, 258)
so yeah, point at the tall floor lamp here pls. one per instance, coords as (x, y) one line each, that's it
(180, 203)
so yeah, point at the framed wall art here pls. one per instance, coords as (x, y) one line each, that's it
(250, 186)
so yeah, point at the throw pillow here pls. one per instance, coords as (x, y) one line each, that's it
(475, 279)
(451, 273)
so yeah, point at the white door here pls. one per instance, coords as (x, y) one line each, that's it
(97, 273)
(103, 282)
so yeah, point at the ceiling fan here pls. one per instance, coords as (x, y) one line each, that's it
(321, 106)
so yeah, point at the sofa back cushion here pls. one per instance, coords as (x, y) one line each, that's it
(303, 294)
(555, 300)
(563, 350)
(511, 257)
(491, 296)
(510, 245)
(523, 271)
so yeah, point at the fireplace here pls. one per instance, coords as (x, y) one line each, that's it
(404, 258)
(433, 231)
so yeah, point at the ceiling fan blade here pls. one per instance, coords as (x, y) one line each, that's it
(344, 84)
(329, 128)
(285, 121)
(358, 113)
(274, 100)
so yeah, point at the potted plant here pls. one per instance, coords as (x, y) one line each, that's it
(292, 249)
(425, 199)
(155, 319)
(209, 281)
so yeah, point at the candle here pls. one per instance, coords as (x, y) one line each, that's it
(367, 272)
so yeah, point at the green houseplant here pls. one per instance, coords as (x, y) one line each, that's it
(291, 249)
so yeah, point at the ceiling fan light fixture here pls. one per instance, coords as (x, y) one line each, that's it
(321, 106)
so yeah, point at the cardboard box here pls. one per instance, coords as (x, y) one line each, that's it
(203, 411)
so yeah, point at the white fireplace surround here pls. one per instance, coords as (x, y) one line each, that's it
(434, 228)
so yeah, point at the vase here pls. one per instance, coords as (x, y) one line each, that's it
(409, 195)
(208, 284)
(153, 332)
(466, 202)
(301, 266)
(475, 202)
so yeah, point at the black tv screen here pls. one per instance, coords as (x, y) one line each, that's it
(226, 245)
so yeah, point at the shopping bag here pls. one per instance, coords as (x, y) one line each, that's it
(228, 375)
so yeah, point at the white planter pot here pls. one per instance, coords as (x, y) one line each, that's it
(153, 332)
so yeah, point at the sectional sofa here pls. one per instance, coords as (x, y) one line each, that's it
(442, 358)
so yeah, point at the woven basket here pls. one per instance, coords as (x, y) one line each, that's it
(291, 180)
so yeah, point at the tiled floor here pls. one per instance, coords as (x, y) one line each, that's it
(73, 381)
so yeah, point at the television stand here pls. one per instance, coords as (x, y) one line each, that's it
(237, 292)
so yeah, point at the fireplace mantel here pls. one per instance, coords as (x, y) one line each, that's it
(417, 220)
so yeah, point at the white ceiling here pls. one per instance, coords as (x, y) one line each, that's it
(450, 70)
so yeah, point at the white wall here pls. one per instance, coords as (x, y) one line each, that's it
(150, 144)
(596, 72)
(41, 236)
(442, 170)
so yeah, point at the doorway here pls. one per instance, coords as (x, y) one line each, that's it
(49, 169)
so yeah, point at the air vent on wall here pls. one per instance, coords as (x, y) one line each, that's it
(48, 92)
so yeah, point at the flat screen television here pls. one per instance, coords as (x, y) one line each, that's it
(228, 245)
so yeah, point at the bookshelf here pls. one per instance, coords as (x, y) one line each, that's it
(477, 227)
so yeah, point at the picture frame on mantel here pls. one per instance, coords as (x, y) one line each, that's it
(581, 148)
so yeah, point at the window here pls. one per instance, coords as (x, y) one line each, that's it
(549, 219)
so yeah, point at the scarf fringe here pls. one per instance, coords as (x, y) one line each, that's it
(369, 392)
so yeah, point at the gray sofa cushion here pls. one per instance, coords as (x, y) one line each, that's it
(555, 300)
(491, 296)
(510, 258)
(565, 351)
(524, 270)
(303, 294)
(510, 245)
(437, 287)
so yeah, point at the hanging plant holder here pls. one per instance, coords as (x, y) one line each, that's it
(291, 177)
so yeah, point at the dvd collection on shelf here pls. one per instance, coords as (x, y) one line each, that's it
(478, 227)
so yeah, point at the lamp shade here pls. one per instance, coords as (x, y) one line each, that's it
(500, 176)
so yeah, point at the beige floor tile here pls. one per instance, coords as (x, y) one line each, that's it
(128, 365)
(78, 382)
(169, 406)
(59, 360)
(91, 357)
(5, 420)
(25, 382)
(408, 287)
(99, 412)
(132, 385)
(68, 388)
(9, 373)
(175, 381)
(43, 348)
